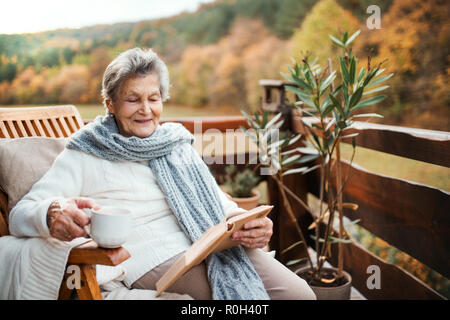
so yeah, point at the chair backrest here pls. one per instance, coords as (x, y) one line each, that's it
(52, 122)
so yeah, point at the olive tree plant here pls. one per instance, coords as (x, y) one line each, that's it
(330, 100)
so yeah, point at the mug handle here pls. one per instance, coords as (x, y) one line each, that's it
(87, 227)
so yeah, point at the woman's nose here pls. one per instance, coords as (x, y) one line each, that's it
(146, 107)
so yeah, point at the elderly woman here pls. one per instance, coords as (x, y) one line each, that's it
(127, 159)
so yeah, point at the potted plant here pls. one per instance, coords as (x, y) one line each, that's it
(241, 186)
(331, 112)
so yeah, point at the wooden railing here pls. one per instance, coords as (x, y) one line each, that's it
(409, 216)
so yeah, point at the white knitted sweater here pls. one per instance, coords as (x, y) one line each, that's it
(156, 236)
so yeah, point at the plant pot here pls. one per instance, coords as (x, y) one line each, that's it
(248, 203)
(341, 292)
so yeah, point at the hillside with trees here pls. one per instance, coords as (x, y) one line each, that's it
(217, 54)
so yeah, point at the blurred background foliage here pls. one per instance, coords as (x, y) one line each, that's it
(217, 54)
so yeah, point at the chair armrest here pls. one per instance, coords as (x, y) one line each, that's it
(90, 253)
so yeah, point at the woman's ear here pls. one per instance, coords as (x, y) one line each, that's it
(108, 103)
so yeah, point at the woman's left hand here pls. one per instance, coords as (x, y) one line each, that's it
(255, 234)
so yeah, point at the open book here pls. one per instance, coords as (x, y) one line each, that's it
(216, 238)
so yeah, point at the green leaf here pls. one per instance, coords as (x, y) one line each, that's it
(379, 80)
(330, 123)
(345, 95)
(296, 170)
(344, 70)
(295, 261)
(369, 102)
(344, 37)
(356, 97)
(362, 72)
(336, 41)
(308, 151)
(273, 120)
(337, 104)
(287, 77)
(299, 81)
(250, 121)
(335, 240)
(366, 115)
(310, 78)
(304, 96)
(352, 37)
(370, 75)
(376, 90)
(294, 139)
(291, 247)
(290, 159)
(307, 158)
(328, 109)
(327, 82)
(311, 169)
(265, 118)
(257, 118)
(352, 72)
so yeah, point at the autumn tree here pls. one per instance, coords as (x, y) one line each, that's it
(325, 18)
(414, 39)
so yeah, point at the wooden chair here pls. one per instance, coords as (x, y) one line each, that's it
(58, 122)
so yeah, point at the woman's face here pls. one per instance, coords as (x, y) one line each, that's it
(137, 106)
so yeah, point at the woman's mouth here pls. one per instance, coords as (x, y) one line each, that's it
(144, 121)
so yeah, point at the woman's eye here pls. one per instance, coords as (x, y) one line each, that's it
(132, 100)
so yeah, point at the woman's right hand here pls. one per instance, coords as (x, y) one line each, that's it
(66, 220)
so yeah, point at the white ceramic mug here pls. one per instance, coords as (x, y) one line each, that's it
(110, 226)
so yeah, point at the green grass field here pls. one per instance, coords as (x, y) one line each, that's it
(398, 167)
(90, 111)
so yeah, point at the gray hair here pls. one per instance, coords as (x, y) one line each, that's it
(134, 63)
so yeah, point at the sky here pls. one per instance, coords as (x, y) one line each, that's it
(27, 16)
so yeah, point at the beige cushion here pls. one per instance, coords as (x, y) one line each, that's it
(23, 161)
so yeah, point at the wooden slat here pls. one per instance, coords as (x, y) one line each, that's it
(3, 131)
(56, 128)
(395, 283)
(72, 124)
(424, 145)
(39, 128)
(47, 127)
(12, 129)
(410, 216)
(64, 127)
(21, 129)
(30, 127)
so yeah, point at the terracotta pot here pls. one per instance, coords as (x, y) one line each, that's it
(330, 293)
(248, 203)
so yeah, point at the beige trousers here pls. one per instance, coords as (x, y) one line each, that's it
(279, 282)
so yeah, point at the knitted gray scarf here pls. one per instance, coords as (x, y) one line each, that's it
(190, 191)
